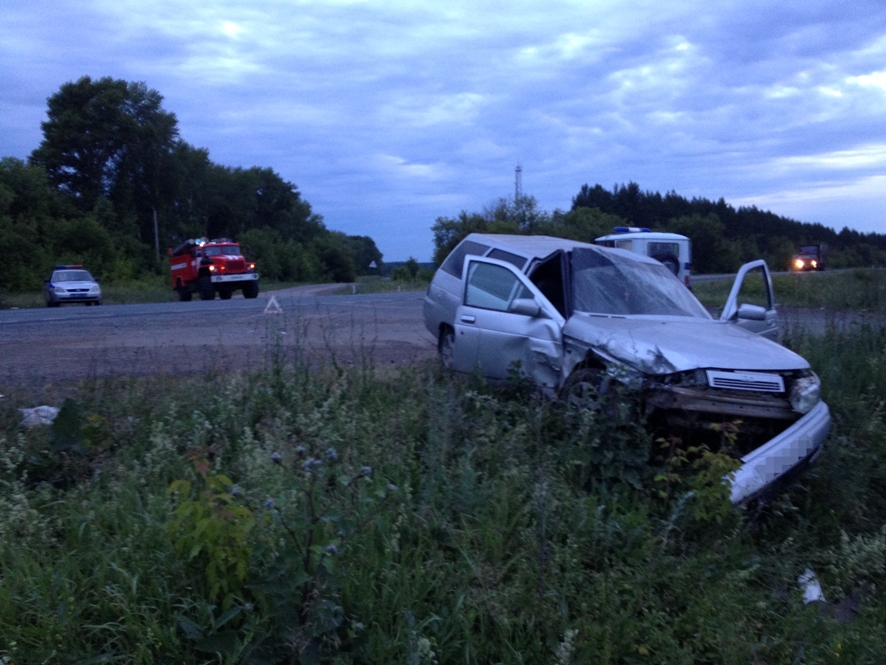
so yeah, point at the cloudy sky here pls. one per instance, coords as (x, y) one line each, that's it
(387, 114)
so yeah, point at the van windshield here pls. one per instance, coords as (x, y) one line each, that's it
(608, 283)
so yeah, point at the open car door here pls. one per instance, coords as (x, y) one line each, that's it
(504, 321)
(751, 303)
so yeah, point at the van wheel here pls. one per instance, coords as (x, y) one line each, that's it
(207, 290)
(445, 346)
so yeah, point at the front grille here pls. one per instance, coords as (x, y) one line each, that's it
(751, 381)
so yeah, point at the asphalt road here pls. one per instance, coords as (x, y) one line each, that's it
(40, 346)
(75, 342)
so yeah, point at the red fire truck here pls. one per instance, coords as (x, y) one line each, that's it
(208, 267)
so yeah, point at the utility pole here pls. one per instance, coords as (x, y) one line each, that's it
(518, 183)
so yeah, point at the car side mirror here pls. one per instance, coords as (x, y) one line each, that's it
(525, 306)
(751, 312)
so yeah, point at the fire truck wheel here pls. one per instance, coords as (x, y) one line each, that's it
(250, 290)
(184, 295)
(207, 290)
(224, 294)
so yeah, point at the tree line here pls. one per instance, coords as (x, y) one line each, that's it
(723, 237)
(112, 184)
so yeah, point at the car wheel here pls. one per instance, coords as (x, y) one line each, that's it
(584, 388)
(207, 290)
(445, 346)
(250, 290)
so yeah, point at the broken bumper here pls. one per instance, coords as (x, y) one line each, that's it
(788, 451)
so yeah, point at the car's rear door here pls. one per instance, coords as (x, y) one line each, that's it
(504, 322)
(751, 303)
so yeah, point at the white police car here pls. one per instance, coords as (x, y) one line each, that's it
(71, 284)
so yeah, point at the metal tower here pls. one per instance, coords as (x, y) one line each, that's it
(518, 182)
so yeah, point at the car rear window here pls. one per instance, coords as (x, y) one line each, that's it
(656, 249)
(455, 262)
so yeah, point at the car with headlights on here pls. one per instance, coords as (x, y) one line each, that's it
(71, 283)
(578, 318)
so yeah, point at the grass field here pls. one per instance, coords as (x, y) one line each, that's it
(857, 289)
(374, 516)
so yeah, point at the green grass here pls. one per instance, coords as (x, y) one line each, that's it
(369, 516)
(858, 289)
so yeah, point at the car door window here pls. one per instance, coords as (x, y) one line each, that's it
(751, 303)
(755, 289)
(493, 287)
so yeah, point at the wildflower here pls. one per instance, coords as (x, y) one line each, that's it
(299, 450)
(331, 454)
(276, 458)
(269, 504)
(331, 549)
(366, 470)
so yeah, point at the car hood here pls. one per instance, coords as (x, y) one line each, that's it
(677, 344)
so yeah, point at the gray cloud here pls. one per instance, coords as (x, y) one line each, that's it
(387, 115)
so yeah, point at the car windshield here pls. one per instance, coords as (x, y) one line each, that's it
(231, 250)
(604, 282)
(71, 276)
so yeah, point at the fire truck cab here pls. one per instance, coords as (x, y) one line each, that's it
(208, 267)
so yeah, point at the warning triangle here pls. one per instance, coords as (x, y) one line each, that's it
(273, 307)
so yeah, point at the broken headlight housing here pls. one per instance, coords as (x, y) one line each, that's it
(805, 393)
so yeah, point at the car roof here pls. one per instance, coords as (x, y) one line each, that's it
(540, 247)
(643, 235)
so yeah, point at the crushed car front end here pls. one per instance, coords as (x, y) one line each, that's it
(774, 422)
(705, 382)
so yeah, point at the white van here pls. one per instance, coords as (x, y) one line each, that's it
(671, 249)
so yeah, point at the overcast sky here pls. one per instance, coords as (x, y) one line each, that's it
(388, 114)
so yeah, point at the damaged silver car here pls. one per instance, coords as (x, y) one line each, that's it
(576, 317)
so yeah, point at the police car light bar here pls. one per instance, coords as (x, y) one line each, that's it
(631, 229)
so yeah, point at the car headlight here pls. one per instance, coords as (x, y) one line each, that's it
(59, 290)
(805, 393)
(95, 289)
